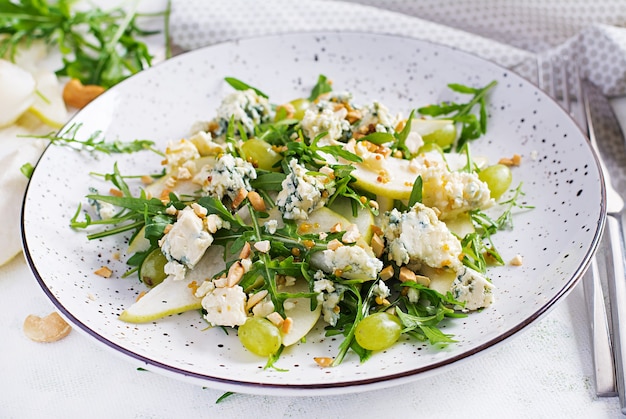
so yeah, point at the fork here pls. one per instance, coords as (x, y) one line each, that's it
(554, 78)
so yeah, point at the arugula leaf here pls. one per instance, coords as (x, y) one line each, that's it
(379, 138)
(95, 142)
(240, 85)
(432, 333)
(473, 126)
(271, 181)
(416, 192)
(322, 86)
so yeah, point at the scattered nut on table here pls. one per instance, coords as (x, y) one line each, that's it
(46, 329)
(77, 95)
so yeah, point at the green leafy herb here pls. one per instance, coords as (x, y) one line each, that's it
(98, 47)
(478, 246)
(416, 192)
(240, 85)
(322, 86)
(95, 142)
(224, 396)
(473, 126)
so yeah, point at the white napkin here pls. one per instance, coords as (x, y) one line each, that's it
(508, 33)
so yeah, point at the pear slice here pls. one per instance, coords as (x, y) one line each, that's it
(18, 92)
(304, 319)
(48, 105)
(364, 218)
(173, 297)
(394, 179)
(425, 127)
(323, 220)
(440, 279)
(139, 243)
(460, 225)
(181, 187)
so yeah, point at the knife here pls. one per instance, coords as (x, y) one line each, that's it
(606, 135)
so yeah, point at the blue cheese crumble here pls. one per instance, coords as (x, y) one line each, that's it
(350, 262)
(472, 288)
(227, 177)
(244, 107)
(225, 306)
(302, 193)
(451, 192)
(185, 243)
(417, 237)
(377, 118)
(326, 116)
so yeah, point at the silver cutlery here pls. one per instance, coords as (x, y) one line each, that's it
(607, 137)
(554, 77)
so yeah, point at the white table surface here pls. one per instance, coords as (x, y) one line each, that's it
(544, 371)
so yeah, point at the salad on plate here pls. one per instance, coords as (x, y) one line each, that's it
(272, 218)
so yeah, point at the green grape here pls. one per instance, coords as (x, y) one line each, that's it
(498, 178)
(260, 153)
(444, 137)
(427, 147)
(260, 336)
(299, 108)
(152, 270)
(378, 331)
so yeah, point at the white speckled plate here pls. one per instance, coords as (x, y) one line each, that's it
(556, 239)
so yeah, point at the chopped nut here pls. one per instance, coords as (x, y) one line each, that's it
(241, 195)
(246, 251)
(351, 235)
(147, 179)
(386, 273)
(47, 329)
(104, 272)
(235, 273)
(77, 95)
(323, 361)
(517, 261)
(262, 246)
(407, 275)
(516, 160)
(275, 318)
(336, 228)
(213, 223)
(423, 280)
(116, 192)
(353, 116)
(378, 245)
(199, 210)
(255, 299)
(256, 201)
(334, 244)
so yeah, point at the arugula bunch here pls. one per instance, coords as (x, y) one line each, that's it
(473, 126)
(98, 47)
